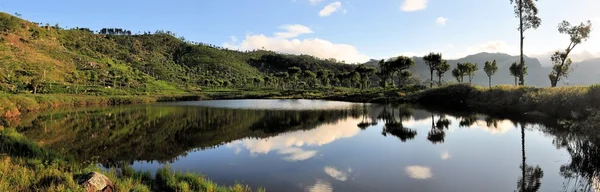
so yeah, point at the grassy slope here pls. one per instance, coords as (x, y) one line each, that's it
(77, 60)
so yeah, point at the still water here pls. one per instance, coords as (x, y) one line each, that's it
(305, 145)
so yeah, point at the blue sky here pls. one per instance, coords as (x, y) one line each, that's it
(351, 30)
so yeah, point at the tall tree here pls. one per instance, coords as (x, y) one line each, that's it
(442, 68)
(323, 76)
(460, 71)
(385, 73)
(560, 60)
(471, 68)
(490, 69)
(432, 60)
(457, 75)
(365, 72)
(400, 64)
(293, 74)
(526, 11)
(515, 70)
(310, 78)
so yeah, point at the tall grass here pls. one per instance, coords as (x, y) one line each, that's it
(556, 102)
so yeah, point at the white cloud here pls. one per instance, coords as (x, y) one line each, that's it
(286, 43)
(314, 2)
(418, 172)
(414, 5)
(292, 31)
(321, 186)
(445, 155)
(336, 174)
(331, 8)
(441, 21)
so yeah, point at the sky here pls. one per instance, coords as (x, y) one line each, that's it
(348, 30)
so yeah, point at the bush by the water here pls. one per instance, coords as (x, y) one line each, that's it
(557, 102)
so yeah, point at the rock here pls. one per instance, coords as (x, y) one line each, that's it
(94, 182)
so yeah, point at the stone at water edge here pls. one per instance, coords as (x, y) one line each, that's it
(94, 182)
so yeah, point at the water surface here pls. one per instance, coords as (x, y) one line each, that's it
(304, 145)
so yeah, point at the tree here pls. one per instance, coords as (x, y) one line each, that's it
(36, 82)
(515, 70)
(470, 69)
(490, 69)
(432, 60)
(323, 76)
(400, 64)
(310, 78)
(526, 11)
(293, 73)
(365, 72)
(385, 73)
(560, 60)
(460, 71)
(457, 75)
(442, 68)
(354, 78)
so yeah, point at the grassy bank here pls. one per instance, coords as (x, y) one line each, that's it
(12, 105)
(372, 95)
(560, 102)
(24, 166)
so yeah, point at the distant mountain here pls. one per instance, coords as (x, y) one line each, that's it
(585, 73)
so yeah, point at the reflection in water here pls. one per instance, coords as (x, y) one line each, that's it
(581, 139)
(394, 125)
(290, 144)
(164, 133)
(321, 186)
(312, 147)
(336, 174)
(418, 172)
(531, 177)
(445, 155)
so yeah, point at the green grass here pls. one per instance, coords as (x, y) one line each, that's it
(24, 166)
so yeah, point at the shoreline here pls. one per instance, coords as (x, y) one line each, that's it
(573, 101)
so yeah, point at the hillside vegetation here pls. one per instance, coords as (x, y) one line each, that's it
(49, 59)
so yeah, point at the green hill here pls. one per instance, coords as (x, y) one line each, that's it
(114, 61)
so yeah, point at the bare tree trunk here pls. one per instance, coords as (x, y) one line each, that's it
(431, 80)
(490, 81)
(521, 30)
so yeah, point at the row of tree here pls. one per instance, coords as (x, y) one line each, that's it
(114, 31)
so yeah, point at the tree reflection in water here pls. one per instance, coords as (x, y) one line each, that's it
(394, 125)
(531, 176)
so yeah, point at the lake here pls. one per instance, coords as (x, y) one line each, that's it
(307, 145)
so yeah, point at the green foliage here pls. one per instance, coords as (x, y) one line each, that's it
(8, 23)
(433, 61)
(365, 72)
(561, 62)
(441, 69)
(490, 69)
